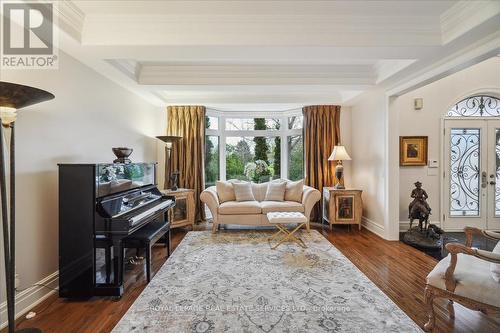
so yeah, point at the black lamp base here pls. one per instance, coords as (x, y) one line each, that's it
(29, 330)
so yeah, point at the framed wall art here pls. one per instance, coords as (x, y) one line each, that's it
(412, 150)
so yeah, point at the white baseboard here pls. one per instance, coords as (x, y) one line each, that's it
(27, 299)
(374, 227)
(404, 226)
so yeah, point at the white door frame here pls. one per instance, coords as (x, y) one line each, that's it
(488, 91)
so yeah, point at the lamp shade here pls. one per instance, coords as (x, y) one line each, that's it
(169, 138)
(339, 154)
(17, 96)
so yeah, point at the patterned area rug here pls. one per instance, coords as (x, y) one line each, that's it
(234, 282)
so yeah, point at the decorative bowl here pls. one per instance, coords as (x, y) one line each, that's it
(121, 152)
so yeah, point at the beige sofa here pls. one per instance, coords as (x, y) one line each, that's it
(254, 212)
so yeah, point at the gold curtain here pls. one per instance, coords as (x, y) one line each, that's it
(322, 133)
(187, 154)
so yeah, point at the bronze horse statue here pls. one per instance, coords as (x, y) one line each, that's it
(419, 212)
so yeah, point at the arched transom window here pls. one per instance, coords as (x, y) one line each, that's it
(476, 106)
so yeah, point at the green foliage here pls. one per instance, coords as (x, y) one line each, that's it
(277, 157)
(261, 147)
(296, 158)
(242, 149)
(211, 160)
(234, 165)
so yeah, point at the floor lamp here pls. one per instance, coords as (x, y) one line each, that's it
(169, 140)
(12, 97)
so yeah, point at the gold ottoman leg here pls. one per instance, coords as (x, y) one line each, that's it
(288, 235)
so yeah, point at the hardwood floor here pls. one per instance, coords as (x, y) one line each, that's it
(397, 269)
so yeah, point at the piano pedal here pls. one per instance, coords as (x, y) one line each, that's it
(135, 260)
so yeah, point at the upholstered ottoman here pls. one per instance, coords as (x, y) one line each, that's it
(280, 220)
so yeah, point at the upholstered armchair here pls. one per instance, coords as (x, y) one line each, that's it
(468, 276)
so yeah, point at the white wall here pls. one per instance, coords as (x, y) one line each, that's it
(89, 115)
(438, 97)
(346, 140)
(368, 150)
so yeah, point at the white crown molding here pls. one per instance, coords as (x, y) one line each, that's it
(473, 54)
(70, 18)
(256, 74)
(466, 15)
(150, 30)
(386, 68)
(130, 68)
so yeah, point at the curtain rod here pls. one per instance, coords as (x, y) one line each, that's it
(218, 110)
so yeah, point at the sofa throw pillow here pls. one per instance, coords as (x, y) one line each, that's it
(259, 191)
(225, 191)
(495, 268)
(275, 191)
(293, 191)
(243, 192)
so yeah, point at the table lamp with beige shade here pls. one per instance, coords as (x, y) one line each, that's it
(339, 154)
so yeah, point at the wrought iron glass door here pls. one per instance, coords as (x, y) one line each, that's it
(493, 192)
(471, 180)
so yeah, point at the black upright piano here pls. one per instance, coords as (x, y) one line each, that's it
(102, 204)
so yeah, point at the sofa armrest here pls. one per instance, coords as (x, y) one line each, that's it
(210, 198)
(455, 249)
(310, 196)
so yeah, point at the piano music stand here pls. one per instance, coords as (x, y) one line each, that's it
(13, 97)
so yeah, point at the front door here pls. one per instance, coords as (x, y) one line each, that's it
(472, 174)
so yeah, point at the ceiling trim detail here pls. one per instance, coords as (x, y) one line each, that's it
(276, 51)
(70, 18)
(466, 15)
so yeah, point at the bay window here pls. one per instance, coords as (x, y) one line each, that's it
(257, 149)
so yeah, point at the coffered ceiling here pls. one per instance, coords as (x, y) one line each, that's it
(276, 52)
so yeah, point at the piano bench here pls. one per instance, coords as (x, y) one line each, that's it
(145, 238)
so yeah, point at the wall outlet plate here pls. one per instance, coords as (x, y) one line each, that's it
(17, 281)
(418, 103)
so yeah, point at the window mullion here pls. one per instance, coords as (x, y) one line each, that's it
(284, 149)
(222, 148)
(252, 133)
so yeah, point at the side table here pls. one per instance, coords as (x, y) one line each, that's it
(342, 206)
(183, 212)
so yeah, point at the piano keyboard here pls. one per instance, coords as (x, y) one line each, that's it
(134, 220)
